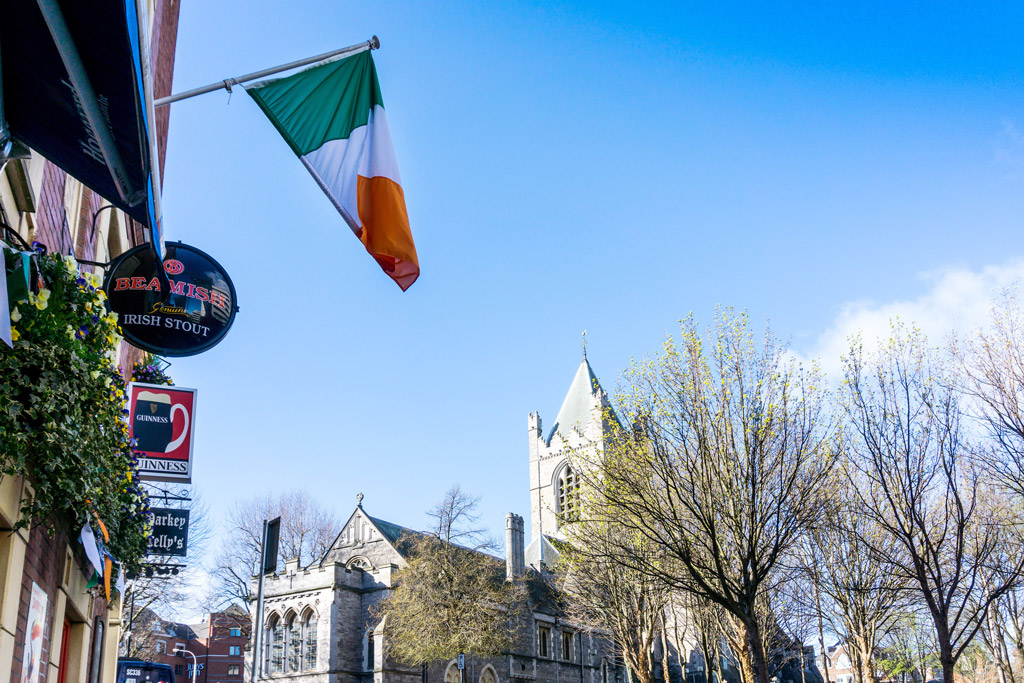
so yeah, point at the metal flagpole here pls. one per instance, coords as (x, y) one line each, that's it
(372, 44)
(259, 611)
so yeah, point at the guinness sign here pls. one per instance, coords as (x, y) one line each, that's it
(179, 307)
(163, 421)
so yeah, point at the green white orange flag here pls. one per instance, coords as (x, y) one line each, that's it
(332, 116)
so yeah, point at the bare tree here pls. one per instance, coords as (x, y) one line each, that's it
(921, 486)
(864, 597)
(169, 585)
(450, 598)
(707, 619)
(307, 531)
(603, 593)
(722, 468)
(993, 363)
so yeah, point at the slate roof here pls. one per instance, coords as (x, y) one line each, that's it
(392, 532)
(576, 410)
(541, 552)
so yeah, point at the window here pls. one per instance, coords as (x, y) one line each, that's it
(233, 669)
(160, 647)
(235, 632)
(452, 675)
(275, 645)
(566, 646)
(568, 493)
(370, 655)
(294, 643)
(543, 641)
(488, 676)
(178, 670)
(235, 650)
(179, 646)
(309, 653)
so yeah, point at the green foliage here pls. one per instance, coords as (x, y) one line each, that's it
(63, 411)
(449, 600)
(148, 372)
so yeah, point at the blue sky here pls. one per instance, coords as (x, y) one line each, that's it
(575, 166)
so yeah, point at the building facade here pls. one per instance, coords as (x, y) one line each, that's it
(218, 644)
(44, 596)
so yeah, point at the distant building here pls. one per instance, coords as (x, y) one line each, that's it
(218, 644)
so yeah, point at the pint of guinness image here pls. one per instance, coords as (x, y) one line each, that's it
(154, 423)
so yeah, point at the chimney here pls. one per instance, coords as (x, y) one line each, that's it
(515, 555)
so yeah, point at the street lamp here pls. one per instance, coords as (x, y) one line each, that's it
(195, 664)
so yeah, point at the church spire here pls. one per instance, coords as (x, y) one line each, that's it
(577, 409)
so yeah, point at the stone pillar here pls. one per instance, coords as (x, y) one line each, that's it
(515, 554)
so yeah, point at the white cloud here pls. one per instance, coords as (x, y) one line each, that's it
(955, 300)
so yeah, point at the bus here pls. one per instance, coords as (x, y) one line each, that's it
(137, 671)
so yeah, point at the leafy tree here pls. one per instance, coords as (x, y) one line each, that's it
(451, 597)
(722, 467)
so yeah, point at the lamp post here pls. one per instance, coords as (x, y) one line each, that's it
(195, 664)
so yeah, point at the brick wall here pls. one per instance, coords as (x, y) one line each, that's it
(51, 228)
(165, 38)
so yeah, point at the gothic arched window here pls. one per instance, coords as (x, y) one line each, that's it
(275, 645)
(294, 644)
(452, 674)
(309, 630)
(568, 492)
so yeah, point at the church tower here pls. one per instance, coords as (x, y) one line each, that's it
(554, 486)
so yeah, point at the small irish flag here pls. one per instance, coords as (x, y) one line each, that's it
(332, 116)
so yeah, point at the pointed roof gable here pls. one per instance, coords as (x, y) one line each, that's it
(577, 408)
(393, 534)
(541, 553)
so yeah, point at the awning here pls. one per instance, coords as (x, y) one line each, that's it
(76, 89)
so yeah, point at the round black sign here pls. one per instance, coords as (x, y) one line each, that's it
(180, 307)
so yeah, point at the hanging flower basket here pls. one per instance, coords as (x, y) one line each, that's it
(63, 407)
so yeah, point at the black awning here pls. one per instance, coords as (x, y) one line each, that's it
(67, 64)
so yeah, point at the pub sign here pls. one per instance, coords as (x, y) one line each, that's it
(180, 306)
(170, 532)
(163, 423)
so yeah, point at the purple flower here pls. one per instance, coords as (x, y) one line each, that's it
(83, 331)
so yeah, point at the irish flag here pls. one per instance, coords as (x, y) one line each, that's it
(332, 116)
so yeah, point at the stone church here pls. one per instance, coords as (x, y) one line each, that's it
(317, 626)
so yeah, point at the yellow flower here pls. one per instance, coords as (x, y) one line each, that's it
(15, 315)
(41, 299)
(15, 335)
